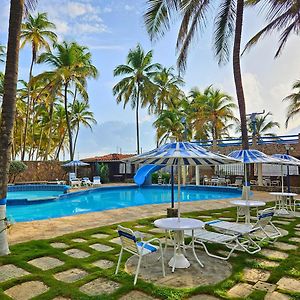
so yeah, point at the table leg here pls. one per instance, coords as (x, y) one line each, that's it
(247, 214)
(194, 252)
(178, 260)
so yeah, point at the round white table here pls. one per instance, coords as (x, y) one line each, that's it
(178, 225)
(244, 206)
(284, 202)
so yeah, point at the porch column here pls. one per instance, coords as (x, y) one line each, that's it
(259, 174)
(197, 175)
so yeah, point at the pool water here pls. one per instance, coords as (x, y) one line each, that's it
(32, 194)
(111, 198)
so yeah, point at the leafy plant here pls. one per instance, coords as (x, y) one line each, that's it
(164, 176)
(15, 169)
(104, 171)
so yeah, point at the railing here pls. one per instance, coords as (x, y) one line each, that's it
(280, 139)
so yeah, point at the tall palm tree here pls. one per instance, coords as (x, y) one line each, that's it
(72, 66)
(294, 106)
(137, 86)
(193, 15)
(212, 110)
(282, 16)
(9, 104)
(2, 54)
(263, 126)
(81, 115)
(36, 31)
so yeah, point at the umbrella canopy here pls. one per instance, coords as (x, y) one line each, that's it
(75, 163)
(253, 156)
(181, 154)
(287, 159)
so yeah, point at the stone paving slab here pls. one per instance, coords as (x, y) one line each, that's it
(264, 286)
(116, 240)
(289, 284)
(76, 253)
(61, 298)
(71, 275)
(79, 240)
(101, 247)
(255, 275)
(277, 296)
(99, 236)
(59, 245)
(240, 290)
(99, 286)
(295, 239)
(284, 246)
(267, 263)
(26, 290)
(273, 254)
(137, 295)
(11, 271)
(281, 222)
(46, 262)
(103, 263)
(157, 230)
(203, 297)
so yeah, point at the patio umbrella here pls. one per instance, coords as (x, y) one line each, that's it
(75, 164)
(286, 160)
(181, 154)
(252, 156)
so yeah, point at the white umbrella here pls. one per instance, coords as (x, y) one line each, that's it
(181, 154)
(75, 164)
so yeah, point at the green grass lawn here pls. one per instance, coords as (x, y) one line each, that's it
(24, 252)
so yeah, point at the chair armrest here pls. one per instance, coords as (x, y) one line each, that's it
(139, 235)
(153, 240)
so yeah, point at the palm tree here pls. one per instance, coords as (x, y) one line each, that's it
(36, 31)
(2, 54)
(81, 116)
(1, 84)
(263, 125)
(211, 111)
(294, 106)
(137, 86)
(9, 105)
(282, 16)
(193, 14)
(72, 66)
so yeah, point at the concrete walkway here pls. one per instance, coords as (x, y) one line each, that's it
(34, 230)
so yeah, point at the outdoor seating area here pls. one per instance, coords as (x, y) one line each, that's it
(83, 182)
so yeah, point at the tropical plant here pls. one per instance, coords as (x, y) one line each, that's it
(1, 85)
(2, 54)
(9, 105)
(294, 106)
(81, 116)
(137, 86)
(211, 112)
(36, 31)
(282, 16)
(193, 15)
(104, 173)
(263, 126)
(72, 66)
(15, 169)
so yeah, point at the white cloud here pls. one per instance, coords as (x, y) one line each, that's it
(129, 7)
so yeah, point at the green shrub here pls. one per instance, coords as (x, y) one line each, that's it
(104, 173)
(15, 168)
(165, 177)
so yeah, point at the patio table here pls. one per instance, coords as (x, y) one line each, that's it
(178, 225)
(244, 206)
(284, 202)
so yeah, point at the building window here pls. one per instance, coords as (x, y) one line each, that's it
(125, 168)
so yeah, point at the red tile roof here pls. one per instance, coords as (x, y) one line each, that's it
(108, 157)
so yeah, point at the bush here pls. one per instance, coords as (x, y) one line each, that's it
(15, 168)
(103, 173)
(165, 177)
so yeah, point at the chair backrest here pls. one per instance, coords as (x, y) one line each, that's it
(265, 217)
(96, 179)
(128, 239)
(72, 176)
(239, 180)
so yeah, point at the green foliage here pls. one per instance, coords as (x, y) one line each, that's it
(164, 176)
(16, 168)
(104, 172)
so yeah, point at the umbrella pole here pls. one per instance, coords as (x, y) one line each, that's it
(282, 185)
(178, 197)
(246, 182)
(172, 187)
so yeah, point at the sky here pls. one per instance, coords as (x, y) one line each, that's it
(111, 27)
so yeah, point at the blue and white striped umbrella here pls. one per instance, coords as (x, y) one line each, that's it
(182, 154)
(75, 163)
(253, 156)
(287, 159)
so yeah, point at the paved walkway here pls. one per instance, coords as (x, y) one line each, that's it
(34, 230)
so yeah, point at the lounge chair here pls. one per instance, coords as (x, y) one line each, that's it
(96, 180)
(130, 243)
(260, 227)
(238, 182)
(75, 183)
(86, 181)
(242, 242)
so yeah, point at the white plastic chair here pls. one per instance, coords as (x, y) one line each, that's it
(130, 243)
(86, 181)
(96, 180)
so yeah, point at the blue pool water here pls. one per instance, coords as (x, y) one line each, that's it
(32, 194)
(110, 198)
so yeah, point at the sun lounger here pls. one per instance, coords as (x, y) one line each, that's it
(96, 180)
(262, 226)
(86, 181)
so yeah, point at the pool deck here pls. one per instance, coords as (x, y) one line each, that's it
(44, 229)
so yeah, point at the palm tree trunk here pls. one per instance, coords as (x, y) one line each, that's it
(137, 122)
(237, 72)
(50, 133)
(9, 110)
(68, 122)
(76, 136)
(28, 108)
(60, 146)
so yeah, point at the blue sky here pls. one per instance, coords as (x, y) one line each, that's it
(111, 27)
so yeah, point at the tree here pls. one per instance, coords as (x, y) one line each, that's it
(137, 86)
(9, 106)
(15, 169)
(72, 66)
(193, 14)
(2, 54)
(263, 125)
(282, 16)
(294, 106)
(36, 31)
(81, 116)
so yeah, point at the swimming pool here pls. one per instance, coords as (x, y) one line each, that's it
(111, 198)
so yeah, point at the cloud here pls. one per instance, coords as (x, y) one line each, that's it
(129, 7)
